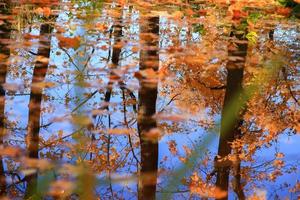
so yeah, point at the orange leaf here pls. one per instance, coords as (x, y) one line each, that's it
(117, 131)
(284, 11)
(45, 11)
(238, 14)
(65, 42)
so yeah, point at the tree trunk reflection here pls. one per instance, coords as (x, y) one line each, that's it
(230, 131)
(149, 58)
(39, 74)
(5, 30)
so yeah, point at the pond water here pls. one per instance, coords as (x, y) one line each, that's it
(111, 101)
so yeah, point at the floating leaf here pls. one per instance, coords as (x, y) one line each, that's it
(66, 42)
(117, 131)
(252, 37)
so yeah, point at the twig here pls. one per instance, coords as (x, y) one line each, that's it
(171, 100)
(60, 139)
(71, 59)
(84, 101)
(126, 123)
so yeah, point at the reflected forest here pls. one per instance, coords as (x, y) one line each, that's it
(150, 99)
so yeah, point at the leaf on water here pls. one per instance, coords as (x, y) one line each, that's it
(252, 37)
(104, 47)
(12, 86)
(284, 11)
(61, 188)
(81, 120)
(45, 11)
(148, 37)
(42, 59)
(118, 45)
(123, 179)
(174, 118)
(3, 57)
(148, 178)
(123, 131)
(177, 15)
(97, 112)
(44, 85)
(41, 164)
(153, 135)
(60, 29)
(238, 14)
(135, 49)
(148, 73)
(66, 42)
(28, 36)
(10, 151)
(101, 27)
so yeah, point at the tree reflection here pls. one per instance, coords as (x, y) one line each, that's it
(149, 59)
(231, 131)
(33, 129)
(5, 30)
(117, 32)
(96, 44)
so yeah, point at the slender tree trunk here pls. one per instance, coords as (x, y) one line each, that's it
(117, 39)
(33, 129)
(5, 31)
(230, 128)
(149, 58)
(117, 32)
